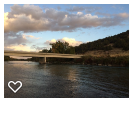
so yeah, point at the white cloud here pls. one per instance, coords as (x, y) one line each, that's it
(89, 16)
(50, 41)
(14, 38)
(79, 13)
(19, 47)
(71, 41)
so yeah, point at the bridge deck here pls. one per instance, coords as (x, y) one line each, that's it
(35, 54)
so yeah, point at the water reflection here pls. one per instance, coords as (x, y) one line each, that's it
(64, 71)
(61, 80)
(66, 80)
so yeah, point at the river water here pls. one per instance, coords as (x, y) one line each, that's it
(65, 81)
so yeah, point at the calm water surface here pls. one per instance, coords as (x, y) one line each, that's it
(66, 81)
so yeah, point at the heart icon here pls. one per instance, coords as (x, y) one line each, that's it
(15, 84)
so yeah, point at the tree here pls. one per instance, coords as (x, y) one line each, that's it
(50, 51)
(70, 50)
(106, 42)
(44, 51)
(59, 47)
(7, 58)
(106, 48)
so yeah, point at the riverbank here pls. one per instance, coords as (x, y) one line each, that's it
(120, 61)
(107, 61)
(94, 64)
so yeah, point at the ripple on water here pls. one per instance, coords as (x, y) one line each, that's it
(64, 81)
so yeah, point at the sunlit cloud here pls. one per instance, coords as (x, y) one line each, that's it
(71, 41)
(19, 47)
(29, 36)
(79, 13)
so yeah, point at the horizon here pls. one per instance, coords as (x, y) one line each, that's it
(48, 23)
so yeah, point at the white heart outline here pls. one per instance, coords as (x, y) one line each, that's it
(14, 84)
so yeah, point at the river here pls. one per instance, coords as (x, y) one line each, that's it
(65, 80)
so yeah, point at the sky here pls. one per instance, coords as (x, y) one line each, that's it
(32, 27)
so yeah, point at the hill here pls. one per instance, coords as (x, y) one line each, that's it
(118, 42)
(109, 51)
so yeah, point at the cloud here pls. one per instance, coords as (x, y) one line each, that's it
(30, 36)
(18, 41)
(79, 13)
(103, 14)
(50, 41)
(37, 48)
(19, 47)
(58, 7)
(14, 38)
(71, 41)
(31, 18)
(35, 11)
(123, 15)
(23, 44)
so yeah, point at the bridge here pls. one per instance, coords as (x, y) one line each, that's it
(42, 56)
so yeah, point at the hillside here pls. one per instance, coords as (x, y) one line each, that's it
(114, 45)
(115, 52)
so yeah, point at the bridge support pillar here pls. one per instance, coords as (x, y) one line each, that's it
(42, 60)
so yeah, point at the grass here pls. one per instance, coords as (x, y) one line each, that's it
(112, 53)
(114, 57)
(113, 61)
